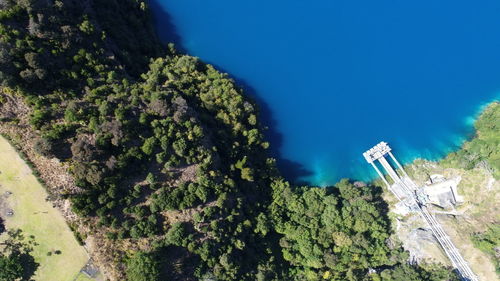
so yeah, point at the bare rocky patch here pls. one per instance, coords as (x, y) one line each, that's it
(480, 208)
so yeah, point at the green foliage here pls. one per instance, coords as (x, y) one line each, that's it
(489, 242)
(143, 266)
(144, 228)
(16, 262)
(10, 267)
(411, 273)
(148, 146)
(482, 150)
(86, 27)
(181, 197)
(177, 234)
(339, 230)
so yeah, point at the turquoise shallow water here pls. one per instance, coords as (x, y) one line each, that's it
(336, 77)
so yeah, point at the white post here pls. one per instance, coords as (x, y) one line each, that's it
(380, 174)
(389, 169)
(397, 163)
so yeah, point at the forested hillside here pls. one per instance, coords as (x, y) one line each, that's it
(169, 159)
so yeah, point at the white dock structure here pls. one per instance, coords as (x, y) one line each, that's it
(407, 191)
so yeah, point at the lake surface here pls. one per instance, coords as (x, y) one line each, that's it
(336, 77)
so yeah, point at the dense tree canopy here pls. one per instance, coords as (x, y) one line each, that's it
(409, 273)
(10, 267)
(339, 231)
(143, 267)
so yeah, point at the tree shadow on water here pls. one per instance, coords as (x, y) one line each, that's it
(164, 27)
(291, 170)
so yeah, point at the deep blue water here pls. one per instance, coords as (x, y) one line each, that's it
(336, 77)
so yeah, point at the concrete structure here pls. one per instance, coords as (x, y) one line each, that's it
(444, 193)
(416, 200)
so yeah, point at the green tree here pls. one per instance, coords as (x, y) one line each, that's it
(11, 267)
(149, 145)
(143, 266)
(177, 234)
(16, 262)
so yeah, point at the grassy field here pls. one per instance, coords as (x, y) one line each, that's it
(34, 216)
(83, 277)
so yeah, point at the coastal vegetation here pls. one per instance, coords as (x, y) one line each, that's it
(482, 150)
(168, 159)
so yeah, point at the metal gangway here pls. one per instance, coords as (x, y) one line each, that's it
(408, 192)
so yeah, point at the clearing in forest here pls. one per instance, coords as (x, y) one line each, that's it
(23, 206)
